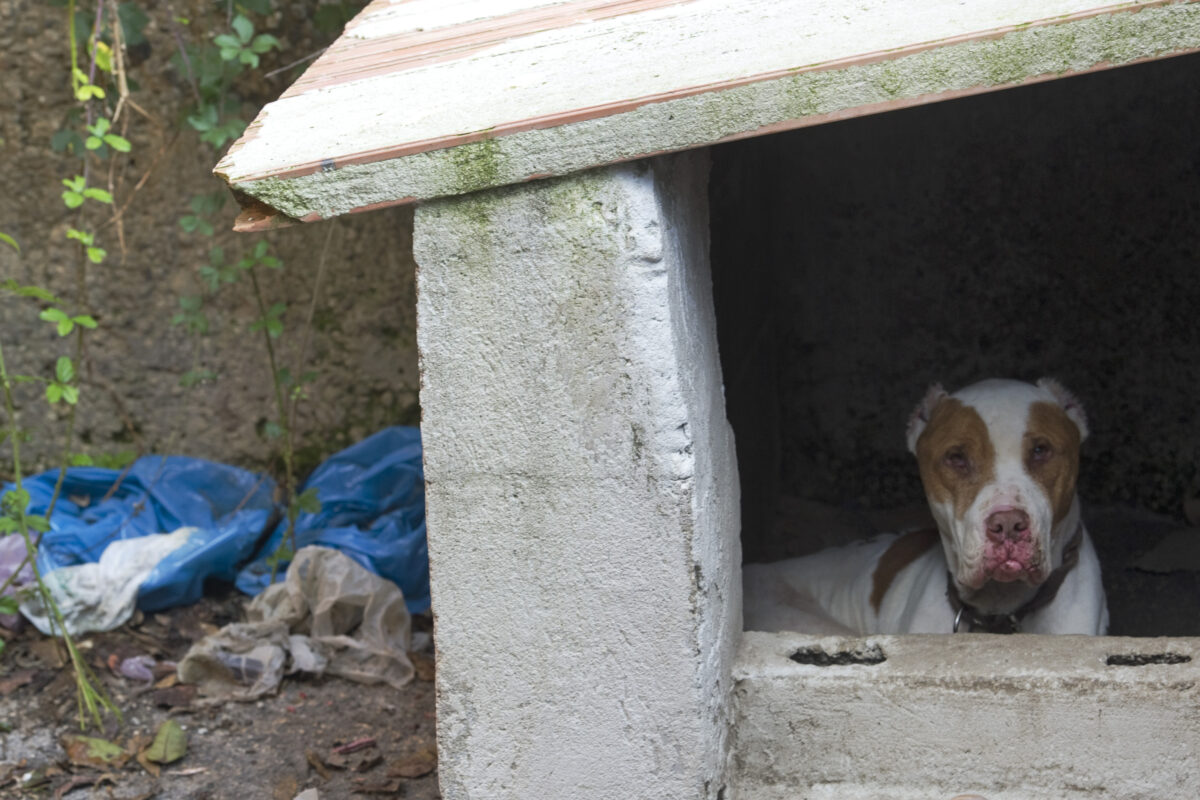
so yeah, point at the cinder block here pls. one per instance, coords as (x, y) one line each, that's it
(582, 491)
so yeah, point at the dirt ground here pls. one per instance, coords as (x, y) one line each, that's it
(344, 739)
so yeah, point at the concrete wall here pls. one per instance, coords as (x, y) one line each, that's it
(1002, 717)
(362, 341)
(580, 496)
(581, 487)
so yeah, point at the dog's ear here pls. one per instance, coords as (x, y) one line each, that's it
(1069, 403)
(920, 415)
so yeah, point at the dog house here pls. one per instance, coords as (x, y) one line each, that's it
(583, 494)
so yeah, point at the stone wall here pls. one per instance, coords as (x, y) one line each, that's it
(363, 335)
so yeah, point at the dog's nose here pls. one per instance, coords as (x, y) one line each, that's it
(1010, 524)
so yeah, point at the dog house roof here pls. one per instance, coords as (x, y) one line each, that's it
(427, 98)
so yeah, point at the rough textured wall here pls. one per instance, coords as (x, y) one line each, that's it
(581, 488)
(1046, 230)
(363, 337)
(1015, 717)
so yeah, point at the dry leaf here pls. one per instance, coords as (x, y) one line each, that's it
(167, 682)
(358, 760)
(164, 670)
(50, 652)
(92, 751)
(148, 765)
(392, 786)
(414, 766)
(285, 788)
(170, 743)
(16, 681)
(423, 665)
(83, 780)
(180, 696)
(315, 761)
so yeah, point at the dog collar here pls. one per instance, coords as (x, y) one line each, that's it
(1010, 623)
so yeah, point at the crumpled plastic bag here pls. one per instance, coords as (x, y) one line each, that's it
(329, 616)
(100, 596)
(372, 498)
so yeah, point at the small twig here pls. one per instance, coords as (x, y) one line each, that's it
(187, 62)
(308, 322)
(289, 483)
(92, 66)
(91, 697)
(112, 190)
(117, 483)
(62, 470)
(123, 99)
(118, 69)
(142, 181)
(295, 63)
(118, 50)
(154, 120)
(356, 745)
(249, 494)
(122, 411)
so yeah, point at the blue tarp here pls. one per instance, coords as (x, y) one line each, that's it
(373, 509)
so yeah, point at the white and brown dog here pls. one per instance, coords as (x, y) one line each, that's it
(998, 460)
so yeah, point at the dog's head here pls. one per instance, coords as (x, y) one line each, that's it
(999, 460)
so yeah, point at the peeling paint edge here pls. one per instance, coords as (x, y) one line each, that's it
(621, 107)
(488, 159)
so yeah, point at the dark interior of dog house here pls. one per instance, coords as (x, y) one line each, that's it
(1046, 230)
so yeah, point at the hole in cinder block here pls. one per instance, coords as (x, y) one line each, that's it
(867, 654)
(1142, 659)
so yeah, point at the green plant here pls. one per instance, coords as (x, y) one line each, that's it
(214, 61)
(96, 113)
(289, 387)
(220, 53)
(243, 45)
(287, 391)
(14, 504)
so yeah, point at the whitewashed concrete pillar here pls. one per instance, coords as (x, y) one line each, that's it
(581, 487)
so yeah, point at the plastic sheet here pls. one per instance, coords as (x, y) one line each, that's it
(101, 596)
(228, 507)
(372, 509)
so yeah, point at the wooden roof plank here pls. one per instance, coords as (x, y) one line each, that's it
(424, 98)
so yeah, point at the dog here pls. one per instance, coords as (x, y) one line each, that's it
(998, 461)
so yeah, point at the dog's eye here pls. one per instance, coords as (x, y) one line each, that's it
(957, 460)
(1040, 452)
